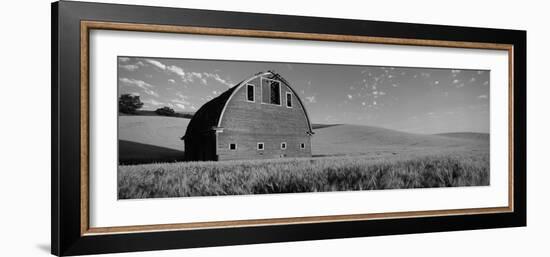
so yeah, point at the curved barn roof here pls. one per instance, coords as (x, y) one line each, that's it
(209, 116)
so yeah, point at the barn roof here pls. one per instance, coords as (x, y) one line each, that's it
(208, 116)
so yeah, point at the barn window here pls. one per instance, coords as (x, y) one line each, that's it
(232, 146)
(302, 146)
(288, 99)
(260, 146)
(250, 93)
(283, 145)
(271, 91)
(275, 93)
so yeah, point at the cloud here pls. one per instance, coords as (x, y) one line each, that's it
(455, 71)
(172, 81)
(153, 102)
(455, 81)
(350, 97)
(479, 72)
(146, 87)
(217, 78)
(311, 99)
(486, 83)
(156, 63)
(394, 85)
(472, 79)
(189, 76)
(182, 99)
(185, 76)
(382, 93)
(460, 85)
(123, 59)
(436, 82)
(129, 67)
(482, 97)
(181, 106)
(176, 70)
(198, 76)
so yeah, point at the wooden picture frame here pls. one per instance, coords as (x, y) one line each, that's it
(71, 25)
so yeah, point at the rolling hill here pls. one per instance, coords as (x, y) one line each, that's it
(150, 138)
(376, 141)
(144, 139)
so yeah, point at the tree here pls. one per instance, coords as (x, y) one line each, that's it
(165, 111)
(128, 103)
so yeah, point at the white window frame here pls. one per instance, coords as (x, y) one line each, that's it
(258, 146)
(289, 94)
(262, 91)
(235, 146)
(302, 145)
(285, 145)
(253, 93)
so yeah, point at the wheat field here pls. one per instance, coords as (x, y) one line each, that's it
(324, 174)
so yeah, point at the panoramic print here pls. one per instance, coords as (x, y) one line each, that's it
(191, 127)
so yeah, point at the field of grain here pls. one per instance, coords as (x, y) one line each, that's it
(301, 175)
(345, 157)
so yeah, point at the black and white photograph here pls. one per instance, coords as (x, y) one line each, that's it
(197, 127)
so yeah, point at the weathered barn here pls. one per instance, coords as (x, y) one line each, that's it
(260, 118)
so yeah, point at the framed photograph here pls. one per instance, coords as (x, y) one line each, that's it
(178, 128)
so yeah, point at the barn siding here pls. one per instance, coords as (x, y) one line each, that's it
(246, 123)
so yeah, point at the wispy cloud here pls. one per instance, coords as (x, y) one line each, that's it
(182, 102)
(156, 63)
(146, 87)
(190, 76)
(217, 78)
(311, 99)
(482, 97)
(129, 67)
(123, 59)
(176, 70)
(153, 102)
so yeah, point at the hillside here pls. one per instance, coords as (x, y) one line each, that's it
(356, 139)
(466, 135)
(150, 138)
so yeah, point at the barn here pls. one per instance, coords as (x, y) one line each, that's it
(261, 117)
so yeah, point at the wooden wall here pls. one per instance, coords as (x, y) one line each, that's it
(247, 123)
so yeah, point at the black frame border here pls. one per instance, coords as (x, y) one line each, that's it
(66, 236)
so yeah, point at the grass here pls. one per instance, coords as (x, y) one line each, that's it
(301, 175)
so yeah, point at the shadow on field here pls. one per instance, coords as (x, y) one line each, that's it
(137, 153)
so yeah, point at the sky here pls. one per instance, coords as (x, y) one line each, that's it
(416, 100)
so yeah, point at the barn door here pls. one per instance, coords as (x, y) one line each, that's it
(207, 150)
